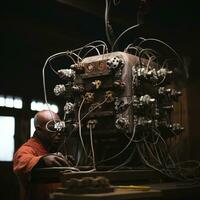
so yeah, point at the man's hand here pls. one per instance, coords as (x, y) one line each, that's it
(53, 160)
(70, 159)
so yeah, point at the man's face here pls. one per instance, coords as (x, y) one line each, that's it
(51, 135)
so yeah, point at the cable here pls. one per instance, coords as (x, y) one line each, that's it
(95, 47)
(128, 29)
(80, 119)
(92, 47)
(134, 44)
(124, 163)
(128, 144)
(88, 171)
(157, 159)
(108, 27)
(92, 147)
(49, 130)
(79, 126)
(167, 151)
(104, 101)
(148, 164)
(53, 68)
(63, 145)
(165, 44)
(116, 2)
(85, 46)
(130, 48)
(76, 56)
(43, 76)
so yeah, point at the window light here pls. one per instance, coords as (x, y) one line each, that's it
(32, 128)
(7, 128)
(38, 106)
(2, 101)
(9, 102)
(17, 102)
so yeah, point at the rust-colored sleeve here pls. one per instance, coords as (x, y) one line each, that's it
(24, 160)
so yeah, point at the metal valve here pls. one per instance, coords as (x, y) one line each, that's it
(176, 128)
(146, 99)
(67, 74)
(164, 72)
(92, 123)
(109, 96)
(143, 72)
(78, 68)
(122, 123)
(170, 92)
(115, 63)
(141, 121)
(168, 107)
(120, 105)
(77, 89)
(69, 107)
(94, 106)
(67, 89)
(97, 84)
(119, 84)
(142, 100)
(89, 97)
(59, 126)
(59, 90)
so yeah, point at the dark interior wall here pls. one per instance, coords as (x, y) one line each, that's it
(32, 31)
(194, 118)
(193, 91)
(9, 188)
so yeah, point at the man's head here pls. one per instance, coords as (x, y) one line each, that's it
(44, 122)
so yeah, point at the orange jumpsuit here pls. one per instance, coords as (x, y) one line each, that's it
(26, 157)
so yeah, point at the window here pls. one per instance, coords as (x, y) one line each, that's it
(2, 101)
(17, 102)
(11, 102)
(32, 127)
(7, 125)
(38, 106)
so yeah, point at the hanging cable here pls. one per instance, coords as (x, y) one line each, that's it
(125, 162)
(116, 155)
(128, 29)
(92, 147)
(79, 126)
(44, 80)
(108, 27)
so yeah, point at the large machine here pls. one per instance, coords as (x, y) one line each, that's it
(118, 108)
(119, 105)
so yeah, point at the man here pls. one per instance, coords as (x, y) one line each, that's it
(38, 151)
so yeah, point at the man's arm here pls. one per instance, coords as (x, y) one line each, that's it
(53, 160)
(24, 160)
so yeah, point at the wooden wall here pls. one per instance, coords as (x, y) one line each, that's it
(194, 118)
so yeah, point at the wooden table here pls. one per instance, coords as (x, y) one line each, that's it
(118, 194)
